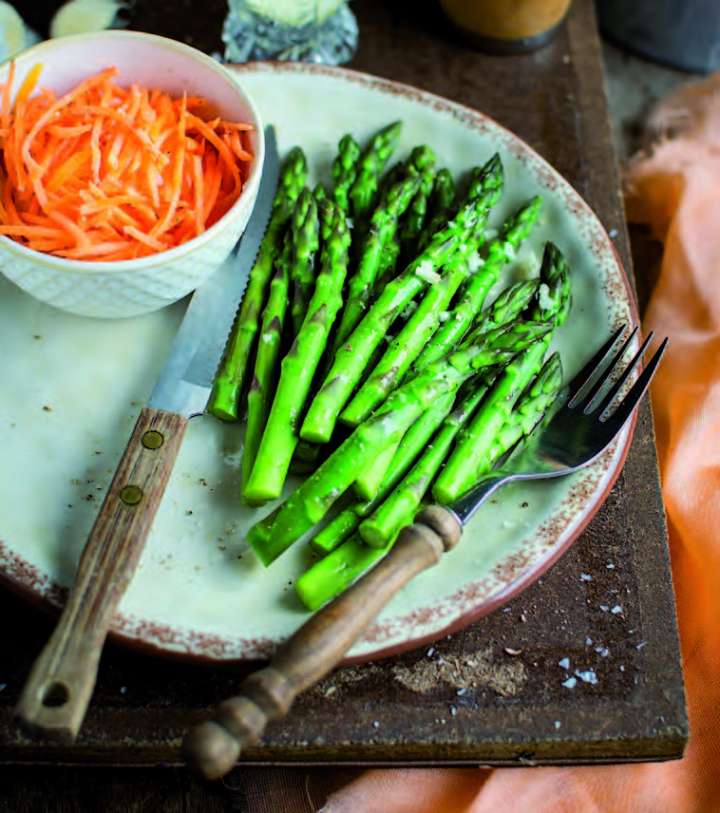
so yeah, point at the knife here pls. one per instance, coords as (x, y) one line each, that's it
(57, 693)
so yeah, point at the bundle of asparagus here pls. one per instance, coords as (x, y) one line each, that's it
(431, 408)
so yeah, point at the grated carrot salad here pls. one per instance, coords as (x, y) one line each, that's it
(112, 173)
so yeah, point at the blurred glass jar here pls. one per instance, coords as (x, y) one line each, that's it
(290, 30)
(681, 33)
(506, 26)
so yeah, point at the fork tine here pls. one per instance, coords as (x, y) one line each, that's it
(595, 363)
(631, 400)
(600, 383)
(618, 385)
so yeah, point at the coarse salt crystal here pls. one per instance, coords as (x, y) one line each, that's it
(570, 683)
(587, 676)
(425, 271)
(528, 267)
(544, 299)
(564, 663)
(475, 261)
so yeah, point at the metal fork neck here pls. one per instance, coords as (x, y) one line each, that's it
(466, 506)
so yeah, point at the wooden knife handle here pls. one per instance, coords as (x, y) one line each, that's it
(213, 747)
(57, 693)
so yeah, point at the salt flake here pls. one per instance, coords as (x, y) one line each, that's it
(587, 676)
(425, 271)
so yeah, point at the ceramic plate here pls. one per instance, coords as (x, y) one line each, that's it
(72, 388)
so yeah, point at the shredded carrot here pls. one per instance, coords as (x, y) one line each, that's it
(28, 84)
(109, 173)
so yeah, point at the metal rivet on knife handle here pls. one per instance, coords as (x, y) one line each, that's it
(152, 439)
(131, 495)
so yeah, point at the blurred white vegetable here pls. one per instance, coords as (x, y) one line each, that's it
(83, 16)
(15, 36)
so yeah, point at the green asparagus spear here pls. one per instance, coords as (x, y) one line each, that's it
(370, 167)
(312, 500)
(336, 571)
(262, 386)
(414, 336)
(554, 292)
(411, 445)
(396, 173)
(298, 367)
(405, 347)
(340, 527)
(320, 194)
(225, 395)
(387, 267)
(383, 225)
(368, 481)
(348, 560)
(354, 355)
(474, 448)
(421, 162)
(440, 204)
(532, 405)
(506, 308)
(500, 250)
(305, 231)
(382, 526)
(442, 196)
(344, 171)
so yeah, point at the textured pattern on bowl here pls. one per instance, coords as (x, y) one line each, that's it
(199, 592)
(118, 289)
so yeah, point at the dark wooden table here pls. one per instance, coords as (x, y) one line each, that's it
(412, 709)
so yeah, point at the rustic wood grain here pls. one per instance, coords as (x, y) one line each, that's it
(512, 709)
(213, 747)
(56, 695)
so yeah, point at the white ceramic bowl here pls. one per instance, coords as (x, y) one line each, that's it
(128, 288)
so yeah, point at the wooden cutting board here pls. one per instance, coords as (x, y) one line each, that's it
(496, 693)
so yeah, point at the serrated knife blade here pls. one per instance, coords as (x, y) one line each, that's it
(185, 381)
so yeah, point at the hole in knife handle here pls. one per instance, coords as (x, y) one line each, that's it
(55, 695)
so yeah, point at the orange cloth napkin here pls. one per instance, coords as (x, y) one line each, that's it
(676, 190)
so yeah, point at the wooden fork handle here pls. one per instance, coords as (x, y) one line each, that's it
(213, 747)
(56, 695)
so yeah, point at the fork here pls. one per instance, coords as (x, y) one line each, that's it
(575, 435)
(580, 431)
